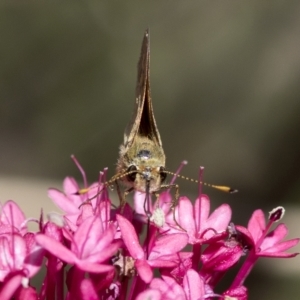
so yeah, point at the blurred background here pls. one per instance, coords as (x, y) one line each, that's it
(225, 88)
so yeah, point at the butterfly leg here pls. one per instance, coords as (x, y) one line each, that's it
(174, 202)
(123, 197)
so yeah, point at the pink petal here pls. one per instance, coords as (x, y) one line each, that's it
(168, 287)
(144, 270)
(274, 236)
(87, 290)
(202, 207)
(35, 256)
(8, 229)
(63, 202)
(219, 257)
(88, 266)
(86, 211)
(219, 219)
(150, 295)
(193, 285)
(3, 274)
(164, 201)
(12, 252)
(283, 246)
(70, 186)
(139, 200)
(104, 208)
(56, 248)
(106, 238)
(70, 221)
(167, 261)
(186, 216)
(278, 254)
(257, 224)
(12, 214)
(178, 260)
(106, 253)
(53, 231)
(159, 284)
(168, 244)
(130, 238)
(87, 236)
(10, 287)
(96, 192)
(33, 261)
(20, 251)
(6, 261)
(170, 224)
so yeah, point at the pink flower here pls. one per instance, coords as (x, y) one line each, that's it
(162, 254)
(93, 250)
(192, 287)
(12, 218)
(199, 225)
(15, 255)
(71, 203)
(220, 256)
(262, 243)
(20, 259)
(90, 246)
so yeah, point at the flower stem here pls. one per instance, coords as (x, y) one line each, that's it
(51, 277)
(244, 270)
(60, 284)
(196, 256)
(75, 282)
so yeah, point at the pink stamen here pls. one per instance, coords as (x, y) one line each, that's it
(182, 164)
(81, 170)
(261, 239)
(201, 170)
(13, 239)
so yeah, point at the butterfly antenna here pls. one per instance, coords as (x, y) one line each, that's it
(105, 185)
(222, 188)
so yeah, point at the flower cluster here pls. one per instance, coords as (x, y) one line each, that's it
(96, 251)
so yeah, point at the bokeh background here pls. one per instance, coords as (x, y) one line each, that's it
(225, 86)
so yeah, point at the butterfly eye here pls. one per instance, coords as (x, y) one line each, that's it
(163, 174)
(131, 176)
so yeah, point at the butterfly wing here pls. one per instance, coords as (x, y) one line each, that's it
(143, 122)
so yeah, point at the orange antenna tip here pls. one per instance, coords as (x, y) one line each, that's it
(82, 191)
(225, 189)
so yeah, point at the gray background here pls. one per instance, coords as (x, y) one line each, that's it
(226, 94)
